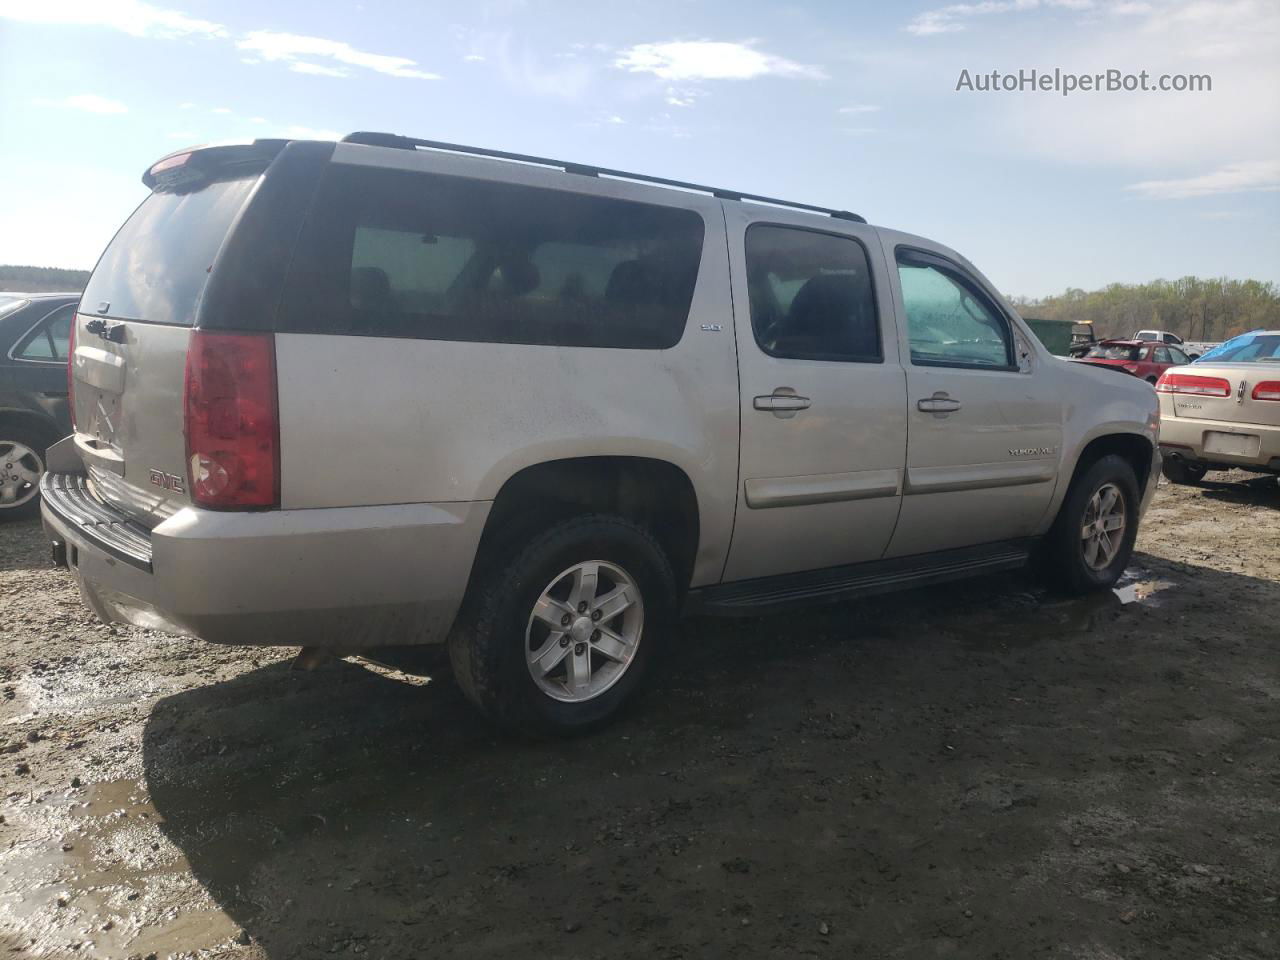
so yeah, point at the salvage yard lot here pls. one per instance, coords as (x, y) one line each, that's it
(983, 770)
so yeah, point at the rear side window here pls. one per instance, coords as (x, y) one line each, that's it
(156, 267)
(51, 339)
(811, 296)
(398, 254)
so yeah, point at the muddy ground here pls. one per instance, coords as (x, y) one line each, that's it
(980, 771)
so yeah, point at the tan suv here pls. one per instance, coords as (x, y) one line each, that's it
(396, 391)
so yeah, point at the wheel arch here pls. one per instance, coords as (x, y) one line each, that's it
(654, 493)
(18, 416)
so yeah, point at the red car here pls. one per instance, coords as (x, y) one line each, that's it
(1141, 358)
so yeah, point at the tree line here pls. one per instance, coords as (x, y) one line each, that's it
(42, 279)
(1195, 309)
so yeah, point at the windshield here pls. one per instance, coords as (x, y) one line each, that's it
(156, 267)
(1246, 348)
(1114, 352)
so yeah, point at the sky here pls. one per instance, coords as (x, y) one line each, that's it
(845, 104)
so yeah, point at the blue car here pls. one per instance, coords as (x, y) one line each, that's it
(35, 330)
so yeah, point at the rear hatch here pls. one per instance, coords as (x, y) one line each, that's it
(135, 321)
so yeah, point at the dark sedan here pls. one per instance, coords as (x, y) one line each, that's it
(34, 333)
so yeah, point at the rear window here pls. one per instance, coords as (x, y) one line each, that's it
(1115, 353)
(156, 266)
(395, 254)
(1251, 347)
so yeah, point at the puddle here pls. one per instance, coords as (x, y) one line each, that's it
(98, 876)
(1139, 586)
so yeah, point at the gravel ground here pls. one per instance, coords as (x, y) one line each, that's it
(979, 771)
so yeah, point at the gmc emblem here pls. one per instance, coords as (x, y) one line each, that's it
(166, 481)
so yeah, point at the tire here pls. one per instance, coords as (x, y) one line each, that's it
(19, 494)
(497, 634)
(1176, 470)
(1070, 561)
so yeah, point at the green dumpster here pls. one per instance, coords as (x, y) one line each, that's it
(1054, 334)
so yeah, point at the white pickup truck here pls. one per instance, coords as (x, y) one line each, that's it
(1195, 349)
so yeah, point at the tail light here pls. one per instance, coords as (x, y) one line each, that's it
(1267, 390)
(1189, 383)
(232, 420)
(71, 369)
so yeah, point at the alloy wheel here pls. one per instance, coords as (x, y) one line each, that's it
(1104, 527)
(20, 470)
(584, 631)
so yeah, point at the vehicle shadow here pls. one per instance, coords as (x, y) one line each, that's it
(858, 767)
(1258, 490)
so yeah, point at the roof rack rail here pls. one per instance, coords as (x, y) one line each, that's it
(395, 140)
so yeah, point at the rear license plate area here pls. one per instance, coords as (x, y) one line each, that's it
(1232, 444)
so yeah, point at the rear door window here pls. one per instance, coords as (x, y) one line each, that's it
(811, 295)
(156, 266)
(415, 255)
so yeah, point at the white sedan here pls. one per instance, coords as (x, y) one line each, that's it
(1223, 411)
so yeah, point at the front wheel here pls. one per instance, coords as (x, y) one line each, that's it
(557, 641)
(1092, 539)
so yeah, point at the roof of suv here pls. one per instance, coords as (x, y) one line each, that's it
(171, 167)
(398, 142)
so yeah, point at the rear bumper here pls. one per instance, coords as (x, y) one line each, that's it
(349, 578)
(1186, 438)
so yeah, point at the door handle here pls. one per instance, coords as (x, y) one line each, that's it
(781, 403)
(940, 402)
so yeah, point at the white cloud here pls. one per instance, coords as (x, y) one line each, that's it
(186, 106)
(859, 108)
(952, 18)
(691, 60)
(474, 58)
(128, 16)
(223, 110)
(681, 98)
(1260, 175)
(295, 50)
(616, 119)
(1159, 134)
(88, 102)
(318, 70)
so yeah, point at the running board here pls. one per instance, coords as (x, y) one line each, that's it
(766, 594)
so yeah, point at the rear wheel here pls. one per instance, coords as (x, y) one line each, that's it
(556, 641)
(1176, 470)
(1092, 539)
(21, 465)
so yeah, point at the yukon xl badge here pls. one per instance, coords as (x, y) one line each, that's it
(1032, 451)
(166, 481)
